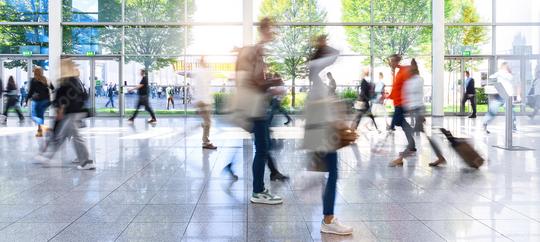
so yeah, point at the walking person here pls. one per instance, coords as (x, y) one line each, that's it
(252, 86)
(142, 91)
(111, 89)
(470, 94)
(379, 97)
(69, 102)
(322, 118)
(40, 94)
(413, 92)
(24, 94)
(203, 77)
(12, 96)
(275, 103)
(170, 96)
(364, 97)
(505, 77)
(398, 119)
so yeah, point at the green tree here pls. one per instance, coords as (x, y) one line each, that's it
(292, 47)
(12, 38)
(457, 38)
(143, 44)
(405, 40)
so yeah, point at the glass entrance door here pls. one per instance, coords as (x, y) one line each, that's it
(20, 68)
(454, 83)
(101, 78)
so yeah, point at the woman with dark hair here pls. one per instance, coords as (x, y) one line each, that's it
(12, 100)
(41, 98)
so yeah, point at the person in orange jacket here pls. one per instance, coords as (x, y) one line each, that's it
(398, 119)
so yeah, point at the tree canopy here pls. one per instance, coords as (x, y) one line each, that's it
(408, 40)
(292, 47)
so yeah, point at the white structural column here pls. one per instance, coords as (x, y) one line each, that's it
(247, 22)
(55, 38)
(438, 59)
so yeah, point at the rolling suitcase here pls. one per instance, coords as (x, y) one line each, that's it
(464, 150)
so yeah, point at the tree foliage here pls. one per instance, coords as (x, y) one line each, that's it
(292, 47)
(145, 44)
(13, 38)
(409, 40)
(405, 40)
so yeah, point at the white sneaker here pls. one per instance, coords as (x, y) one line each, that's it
(88, 165)
(336, 228)
(266, 197)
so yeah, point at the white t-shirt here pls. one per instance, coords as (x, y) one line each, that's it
(414, 92)
(506, 79)
(202, 78)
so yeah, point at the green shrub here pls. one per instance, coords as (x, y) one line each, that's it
(481, 96)
(349, 94)
(219, 101)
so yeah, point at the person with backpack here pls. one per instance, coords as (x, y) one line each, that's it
(69, 102)
(12, 100)
(367, 92)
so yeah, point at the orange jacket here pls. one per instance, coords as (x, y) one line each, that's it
(397, 85)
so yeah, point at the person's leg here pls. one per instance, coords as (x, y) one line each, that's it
(261, 154)
(172, 102)
(148, 108)
(463, 101)
(373, 120)
(357, 120)
(329, 195)
(205, 115)
(139, 104)
(473, 105)
(407, 129)
(440, 158)
(19, 112)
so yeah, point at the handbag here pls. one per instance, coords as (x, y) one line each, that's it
(345, 137)
(359, 105)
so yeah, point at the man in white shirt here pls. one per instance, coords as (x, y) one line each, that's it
(203, 77)
(503, 76)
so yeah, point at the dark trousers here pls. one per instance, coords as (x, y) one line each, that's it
(359, 116)
(472, 99)
(329, 195)
(262, 153)
(399, 120)
(13, 102)
(143, 101)
(111, 101)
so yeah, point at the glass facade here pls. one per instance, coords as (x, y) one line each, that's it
(169, 37)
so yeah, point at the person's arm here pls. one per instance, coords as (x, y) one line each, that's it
(31, 91)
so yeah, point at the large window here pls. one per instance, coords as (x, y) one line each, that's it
(170, 37)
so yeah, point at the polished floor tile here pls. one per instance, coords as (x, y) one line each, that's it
(155, 183)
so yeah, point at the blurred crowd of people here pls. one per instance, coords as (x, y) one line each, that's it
(257, 99)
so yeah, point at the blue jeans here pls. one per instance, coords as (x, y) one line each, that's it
(38, 110)
(329, 195)
(496, 102)
(262, 153)
(399, 120)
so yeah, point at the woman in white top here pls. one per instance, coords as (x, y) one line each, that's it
(503, 76)
(414, 104)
